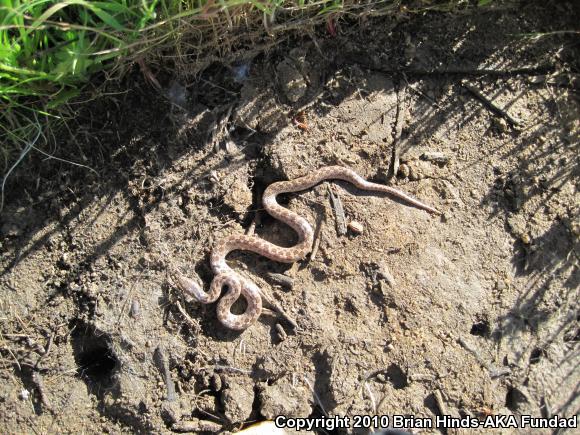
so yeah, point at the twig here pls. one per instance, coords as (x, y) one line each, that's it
(493, 372)
(218, 131)
(255, 222)
(222, 368)
(491, 105)
(278, 308)
(281, 333)
(371, 397)
(36, 379)
(338, 212)
(440, 404)
(163, 365)
(281, 279)
(398, 130)
(315, 395)
(25, 151)
(545, 408)
(188, 319)
(316, 244)
(196, 425)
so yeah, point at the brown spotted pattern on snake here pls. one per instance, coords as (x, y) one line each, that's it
(238, 285)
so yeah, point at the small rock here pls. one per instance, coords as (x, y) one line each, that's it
(216, 382)
(355, 227)
(384, 273)
(239, 197)
(435, 156)
(281, 333)
(415, 174)
(135, 310)
(473, 193)
(283, 398)
(500, 285)
(237, 401)
(214, 177)
(24, 395)
(231, 148)
(404, 171)
(291, 80)
(526, 239)
(500, 125)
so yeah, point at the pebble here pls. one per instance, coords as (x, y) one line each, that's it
(135, 310)
(291, 80)
(355, 227)
(281, 333)
(24, 395)
(216, 382)
(385, 273)
(404, 171)
(414, 174)
(284, 398)
(237, 401)
(500, 125)
(435, 156)
(214, 177)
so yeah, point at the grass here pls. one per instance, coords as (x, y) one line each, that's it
(50, 49)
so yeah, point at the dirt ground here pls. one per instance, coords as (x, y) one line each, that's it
(471, 313)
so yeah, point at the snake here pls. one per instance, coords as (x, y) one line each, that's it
(238, 285)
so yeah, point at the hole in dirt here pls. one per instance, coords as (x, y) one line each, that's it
(397, 377)
(536, 354)
(515, 399)
(572, 336)
(480, 328)
(96, 362)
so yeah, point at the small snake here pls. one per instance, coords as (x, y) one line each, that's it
(238, 285)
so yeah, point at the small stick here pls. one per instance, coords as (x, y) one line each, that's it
(493, 372)
(443, 408)
(397, 131)
(39, 385)
(440, 403)
(222, 368)
(315, 395)
(316, 244)
(217, 131)
(281, 279)
(281, 333)
(338, 212)
(371, 397)
(188, 319)
(196, 425)
(279, 309)
(420, 377)
(255, 222)
(163, 365)
(491, 105)
(545, 408)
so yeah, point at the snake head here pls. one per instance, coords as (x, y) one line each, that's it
(189, 287)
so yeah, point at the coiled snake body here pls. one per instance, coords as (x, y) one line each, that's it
(238, 285)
